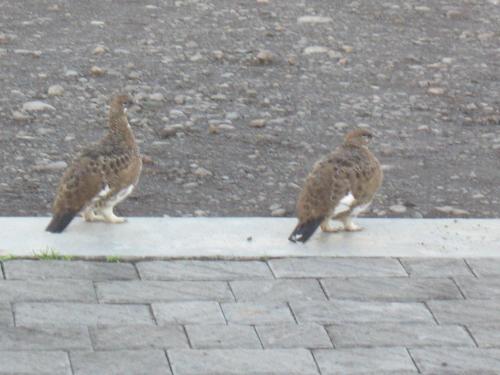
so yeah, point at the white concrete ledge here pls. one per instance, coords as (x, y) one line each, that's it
(251, 238)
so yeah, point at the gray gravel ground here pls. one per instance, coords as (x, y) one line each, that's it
(238, 98)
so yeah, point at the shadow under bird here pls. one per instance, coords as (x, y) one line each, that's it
(339, 187)
(101, 176)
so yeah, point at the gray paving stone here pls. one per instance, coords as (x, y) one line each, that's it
(436, 267)
(34, 363)
(139, 337)
(278, 290)
(122, 362)
(392, 335)
(64, 314)
(157, 291)
(242, 362)
(190, 312)
(465, 312)
(336, 267)
(6, 317)
(75, 269)
(257, 313)
(482, 288)
(366, 361)
(47, 290)
(487, 335)
(203, 270)
(333, 312)
(44, 338)
(457, 360)
(391, 289)
(223, 337)
(286, 336)
(485, 266)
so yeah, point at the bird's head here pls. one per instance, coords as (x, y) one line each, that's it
(121, 103)
(358, 137)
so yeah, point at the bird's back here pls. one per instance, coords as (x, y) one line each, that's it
(348, 169)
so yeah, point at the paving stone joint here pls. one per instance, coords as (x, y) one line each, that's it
(281, 316)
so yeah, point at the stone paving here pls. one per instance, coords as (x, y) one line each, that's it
(281, 316)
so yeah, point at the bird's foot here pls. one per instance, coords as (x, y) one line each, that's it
(113, 219)
(91, 216)
(349, 226)
(110, 217)
(329, 229)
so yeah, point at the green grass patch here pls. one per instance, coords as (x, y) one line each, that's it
(50, 254)
(113, 259)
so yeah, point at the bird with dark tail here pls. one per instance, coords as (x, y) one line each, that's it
(339, 187)
(102, 175)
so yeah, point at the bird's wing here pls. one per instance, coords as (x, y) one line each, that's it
(324, 188)
(81, 182)
(341, 181)
(120, 164)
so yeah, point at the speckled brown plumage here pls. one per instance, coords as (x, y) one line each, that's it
(339, 187)
(101, 176)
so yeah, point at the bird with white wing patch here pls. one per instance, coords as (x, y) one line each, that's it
(102, 175)
(339, 187)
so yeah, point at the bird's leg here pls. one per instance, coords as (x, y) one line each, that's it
(326, 227)
(111, 200)
(349, 226)
(110, 217)
(90, 214)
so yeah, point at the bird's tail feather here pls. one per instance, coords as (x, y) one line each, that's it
(304, 231)
(60, 221)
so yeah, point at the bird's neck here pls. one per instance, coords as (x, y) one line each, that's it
(357, 148)
(354, 144)
(119, 126)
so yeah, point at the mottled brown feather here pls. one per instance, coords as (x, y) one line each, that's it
(349, 168)
(114, 162)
